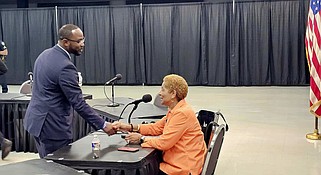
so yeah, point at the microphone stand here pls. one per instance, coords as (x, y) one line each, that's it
(131, 112)
(113, 104)
(123, 111)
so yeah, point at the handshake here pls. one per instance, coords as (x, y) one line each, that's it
(112, 128)
(131, 137)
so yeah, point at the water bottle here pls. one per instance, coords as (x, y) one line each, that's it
(79, 79)
(95, 146)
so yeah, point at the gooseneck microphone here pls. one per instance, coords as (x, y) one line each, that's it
(146, 98)
(117, 77)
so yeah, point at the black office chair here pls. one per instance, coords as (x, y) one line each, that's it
(214, 151)
(205, 117)
(208, 124)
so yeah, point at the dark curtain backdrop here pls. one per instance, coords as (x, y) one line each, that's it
(254, 43)
(26, 32)
(252, 37)
(186, 39)
(158, 42)
(217, 44)
(112, 42)
(172, 42)
(286, 42)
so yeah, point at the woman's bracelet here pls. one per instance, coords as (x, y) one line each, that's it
(137, 130)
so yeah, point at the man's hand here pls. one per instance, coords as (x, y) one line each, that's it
(116, 125)
(121, 126)
(109, 129)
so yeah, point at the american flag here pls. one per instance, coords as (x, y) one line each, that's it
(313, 52)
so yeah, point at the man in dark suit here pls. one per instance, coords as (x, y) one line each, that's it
(55, 91)
(5, 143)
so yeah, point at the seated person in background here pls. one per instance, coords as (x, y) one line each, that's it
(180, 136)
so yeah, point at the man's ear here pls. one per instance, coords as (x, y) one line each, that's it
(64, 43)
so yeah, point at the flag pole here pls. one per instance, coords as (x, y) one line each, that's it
(315, 135)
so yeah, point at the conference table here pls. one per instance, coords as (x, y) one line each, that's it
(144, 111)
(13, 107)
(79, 155)
(38, 167)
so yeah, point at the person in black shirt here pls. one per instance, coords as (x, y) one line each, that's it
(3, 54)
(5, 143)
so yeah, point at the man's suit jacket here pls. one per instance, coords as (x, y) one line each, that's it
(55, 90)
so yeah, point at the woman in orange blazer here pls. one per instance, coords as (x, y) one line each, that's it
(179, 132)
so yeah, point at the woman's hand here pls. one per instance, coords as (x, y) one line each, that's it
(133, 138)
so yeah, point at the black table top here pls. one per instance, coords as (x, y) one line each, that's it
(14, 97)
(79, 154)
(144, 110)
(38, 166)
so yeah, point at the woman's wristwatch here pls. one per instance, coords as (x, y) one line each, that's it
(142, 139)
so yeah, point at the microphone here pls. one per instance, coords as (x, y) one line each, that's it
(117, 77)
(146, 98)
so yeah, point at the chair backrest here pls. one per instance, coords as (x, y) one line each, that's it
(208, 121)
(205, 117)
(158, 101)
(214, 151)
(209, 132)
(25, 87)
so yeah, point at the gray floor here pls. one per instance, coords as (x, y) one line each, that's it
(267, 127)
